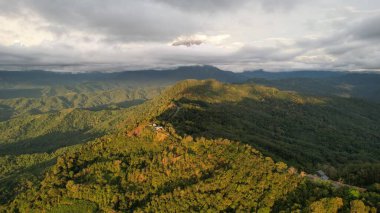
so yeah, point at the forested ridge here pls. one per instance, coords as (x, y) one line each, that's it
(338, 135)
(208, 155)
(222, 147)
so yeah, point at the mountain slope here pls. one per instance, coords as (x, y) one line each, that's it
(145, 174)
(308, 132)
(29, 144)
(192, 165)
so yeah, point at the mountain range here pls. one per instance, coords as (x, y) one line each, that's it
(153, 140)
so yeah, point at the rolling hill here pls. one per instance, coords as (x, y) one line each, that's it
(71, 142)
(203, 158)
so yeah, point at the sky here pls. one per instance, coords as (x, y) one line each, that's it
(115, 35)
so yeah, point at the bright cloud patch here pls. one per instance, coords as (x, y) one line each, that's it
(199, 39)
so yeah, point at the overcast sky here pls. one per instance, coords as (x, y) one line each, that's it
(83, 35)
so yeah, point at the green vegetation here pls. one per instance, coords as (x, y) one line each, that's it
(50, 131)
(214, 153)
(42, 117)
(142, 173)
(311, 196)
(92, 96)
(334, 134)
(18, 172)
(347, 85)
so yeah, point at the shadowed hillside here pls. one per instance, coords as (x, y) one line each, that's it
(307, 132)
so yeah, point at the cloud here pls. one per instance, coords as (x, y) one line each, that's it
(119, 20)
(205, 5)
(241, 34)
(187, 42)
(279, 5)
(212, 6)
(315, 59)
(367, 28)
(199, 39)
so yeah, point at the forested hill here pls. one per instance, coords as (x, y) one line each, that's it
(330, 124)
(338, 135)
(208, 146)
